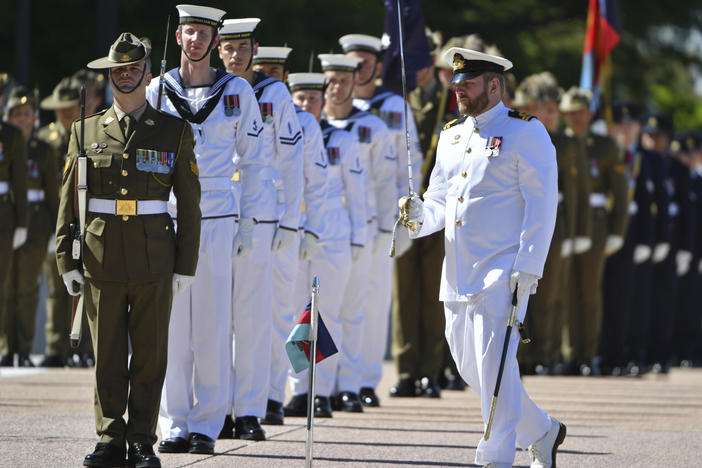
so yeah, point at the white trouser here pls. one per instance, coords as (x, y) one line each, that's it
(199, 344)
(286, 308)
(332, 265)
(374, 328)
(348, 378)
(475, 331)
(252, 305)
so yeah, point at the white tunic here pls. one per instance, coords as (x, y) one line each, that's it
(315, 170)
(498, 206)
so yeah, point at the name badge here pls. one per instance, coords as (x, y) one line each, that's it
(231, 105)
(364, 134)
(266, 111)
(334, 155)
(154, 161)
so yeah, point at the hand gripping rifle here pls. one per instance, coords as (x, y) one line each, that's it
(407, 135)
(80, 190)
(163, 65)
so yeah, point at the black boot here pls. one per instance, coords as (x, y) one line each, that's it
(274, 413)
(105, 455)
(248, 428)
(227, 431)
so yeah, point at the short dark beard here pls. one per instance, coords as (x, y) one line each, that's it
(476, 106)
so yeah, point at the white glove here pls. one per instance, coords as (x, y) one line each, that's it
(524, 282)
(613, 243)
(567, 248)
(642, 252)
(51, 246)
(582, 244)
(682, 260)
(411, 212)
(74, 282)
(402, 242)
(243, 240)
(283, 239)
(19, 238)
(181, 283)
(308, 246)
(660, 251)
(356, 251)
(382, 243)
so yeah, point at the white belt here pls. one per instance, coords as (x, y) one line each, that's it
(127, 207)
(598, 200)
(35, 195)
(215, 184)
(333, 204)
(4, 187)
(633, 208)
(560, 197)
(673, 209)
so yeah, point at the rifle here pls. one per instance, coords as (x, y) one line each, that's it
(80, 189)
(163, 65)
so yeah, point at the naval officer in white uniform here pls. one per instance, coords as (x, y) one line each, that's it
(494, 190)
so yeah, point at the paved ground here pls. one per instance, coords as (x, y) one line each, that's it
(46, 421)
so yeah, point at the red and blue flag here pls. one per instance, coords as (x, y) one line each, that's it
(298, 344)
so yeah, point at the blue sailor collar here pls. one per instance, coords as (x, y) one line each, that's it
(173, 86)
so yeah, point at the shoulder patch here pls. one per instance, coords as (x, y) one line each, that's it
(520, 115)
(454, 122)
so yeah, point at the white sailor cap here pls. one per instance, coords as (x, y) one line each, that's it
(363, 42)
(240, 28)
(298, 81)
(468, 64)
(339, 62)
(272, 55)
(200, 14)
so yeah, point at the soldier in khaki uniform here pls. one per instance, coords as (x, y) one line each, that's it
(609, 202)
(133, 260)
(64, 102)
(13, 201)
(42, 196)
(539, 95)
(94, 88)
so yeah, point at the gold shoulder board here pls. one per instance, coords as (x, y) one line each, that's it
(520, 115)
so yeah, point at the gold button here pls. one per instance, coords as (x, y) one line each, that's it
(476, 130)
(125, 218)
(468, 150)
(95, 165)
(458, 222)
(166, 228)
(464, 175)
(123, 191)
(124, 173)
(125, 156)
(460, 199)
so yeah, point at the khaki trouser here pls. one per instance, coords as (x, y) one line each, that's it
(417, 315)
(585, 314)
(119, 312)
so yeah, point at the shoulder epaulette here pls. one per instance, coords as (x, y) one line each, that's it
(520, 115)
(454, 122)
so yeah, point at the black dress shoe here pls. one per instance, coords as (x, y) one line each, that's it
(368, 397)
(429, 388)
(227, 431)
(322, 408)
(455, 382)
(174, 445)
(7, 360)
(200, 443)
(274, 413)
(142, 456)
(24, 361)
(87, 360)
(349, 402)
(52, 360)
(297, 406)
(248, 428)
(105, 455)
(404, 388)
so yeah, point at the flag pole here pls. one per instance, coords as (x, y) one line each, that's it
(313, 364)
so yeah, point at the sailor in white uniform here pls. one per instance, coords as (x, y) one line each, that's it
(494, 191)
(223, 113)
(280, 181)
(391, 109)
(286, 263)
(344, 225)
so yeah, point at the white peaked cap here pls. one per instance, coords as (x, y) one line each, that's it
(200, 14)
(364, 42)
(272, 54)
(468, 64)
(339, 62)
(298, 81)
(239, 28)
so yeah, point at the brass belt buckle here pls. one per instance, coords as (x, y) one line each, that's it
(126, 208)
